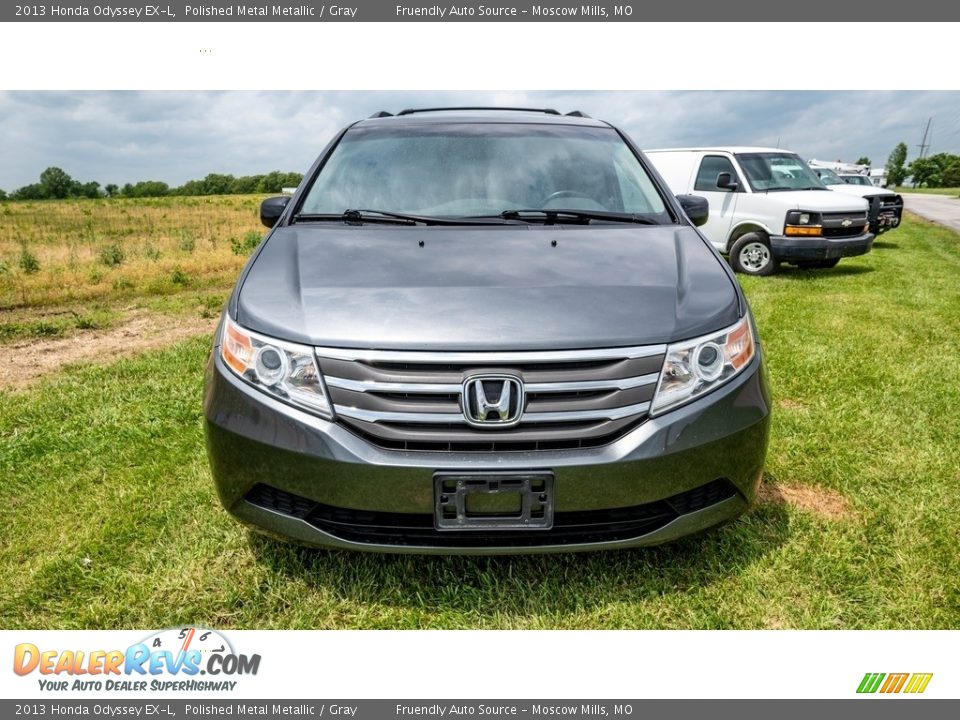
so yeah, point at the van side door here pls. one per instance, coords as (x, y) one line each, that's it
(717, 180)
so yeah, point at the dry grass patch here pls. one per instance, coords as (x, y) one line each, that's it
(822, 502)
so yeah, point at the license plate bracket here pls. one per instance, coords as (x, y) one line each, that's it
(493, 501)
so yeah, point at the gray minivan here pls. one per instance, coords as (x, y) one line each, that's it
(485, 331)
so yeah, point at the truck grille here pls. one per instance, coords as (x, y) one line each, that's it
(414, 400)
(844, 224)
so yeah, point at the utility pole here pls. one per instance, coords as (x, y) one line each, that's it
(924, 145)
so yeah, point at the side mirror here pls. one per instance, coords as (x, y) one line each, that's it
(272, 208)
(725, 181)
(696, 208)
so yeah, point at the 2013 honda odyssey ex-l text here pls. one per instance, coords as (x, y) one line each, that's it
(485, 331)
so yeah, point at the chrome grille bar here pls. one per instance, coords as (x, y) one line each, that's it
(446, 388)
(530, 417)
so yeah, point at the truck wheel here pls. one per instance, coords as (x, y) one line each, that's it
(819, 264)
(751, 255)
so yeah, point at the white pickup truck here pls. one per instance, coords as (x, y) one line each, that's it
(886, 206)
(767, 206)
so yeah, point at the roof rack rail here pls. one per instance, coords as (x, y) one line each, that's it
(411, 111)
(381, 113)
(578, 113)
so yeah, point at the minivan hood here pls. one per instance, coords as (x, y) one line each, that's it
(818, 201)
(486, 288)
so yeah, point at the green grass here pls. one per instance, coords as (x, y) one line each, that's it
(110, 519)
(955, 192)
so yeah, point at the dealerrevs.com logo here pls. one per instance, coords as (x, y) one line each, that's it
(891, 683)
(178, 659)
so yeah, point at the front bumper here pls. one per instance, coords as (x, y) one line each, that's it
(885, 215)
(791, 249)
(297, 476)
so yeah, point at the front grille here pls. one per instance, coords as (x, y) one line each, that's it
(413, 400)
(843, 224)
(581, 526)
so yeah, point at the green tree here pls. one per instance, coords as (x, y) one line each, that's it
(147, 188)
(111, 189)
(951, 176)
(3, 195)
(216, 184)
(924, 171)
(34, 191)
(56, 183)
(86, 190)
(896, 170)
(864, 160)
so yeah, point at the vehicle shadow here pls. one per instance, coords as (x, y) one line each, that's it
(884, 245)
(539, 590)
(789, 272)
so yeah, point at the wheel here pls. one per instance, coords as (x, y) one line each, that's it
(751, 255)
(818, 264)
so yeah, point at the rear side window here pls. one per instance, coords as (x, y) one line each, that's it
(710, 169)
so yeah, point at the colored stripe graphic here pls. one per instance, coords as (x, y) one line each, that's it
(894, 683)
(870, 682)
(918, 683)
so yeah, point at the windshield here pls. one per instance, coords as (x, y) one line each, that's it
(482, 169)
(856, 180)
(773, 171)
(829, 177)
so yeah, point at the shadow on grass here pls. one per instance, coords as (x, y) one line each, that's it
(790, 272)
(542, 589)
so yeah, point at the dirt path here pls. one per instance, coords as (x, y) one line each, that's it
(138, 332)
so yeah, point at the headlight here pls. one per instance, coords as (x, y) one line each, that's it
(802, 222)
(284, 370)
(694, 367)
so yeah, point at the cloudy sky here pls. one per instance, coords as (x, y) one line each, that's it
(120, 137)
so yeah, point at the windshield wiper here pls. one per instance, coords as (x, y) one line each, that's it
(551, 216)
(392, 218)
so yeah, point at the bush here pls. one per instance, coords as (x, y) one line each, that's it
(121, 283)
(28, 261)
(179, 277)
(111, 255)
(187, 243)
(245, 245)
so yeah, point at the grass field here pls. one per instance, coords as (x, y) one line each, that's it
(955, 192)
(110, 519)
(69, 265)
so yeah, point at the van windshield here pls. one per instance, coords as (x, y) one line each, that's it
(772, 171)
(483, 169)
(829, 177)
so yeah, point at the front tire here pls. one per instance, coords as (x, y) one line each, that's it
(751, 255)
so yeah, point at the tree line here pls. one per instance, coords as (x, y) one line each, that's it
(56, 184)
(935, 171)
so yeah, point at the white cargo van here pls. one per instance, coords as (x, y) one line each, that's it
(767, 206)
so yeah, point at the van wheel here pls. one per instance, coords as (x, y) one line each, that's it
(751, 255)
